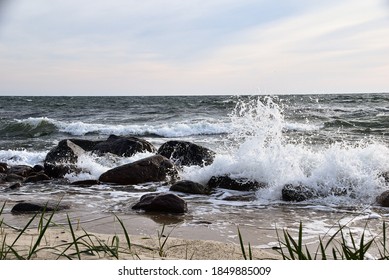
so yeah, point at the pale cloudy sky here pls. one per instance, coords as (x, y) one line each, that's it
(179, 47)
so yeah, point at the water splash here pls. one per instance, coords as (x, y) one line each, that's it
(258, 149)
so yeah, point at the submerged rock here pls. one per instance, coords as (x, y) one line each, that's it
(21, 170)
(15, 186)
(12, 178)
(86, 183)
(27, 207)
(151, 169)
(186, 153)
(297, 193)
(161, 202)
(239, 184)
(37, 178)
(243, 197)
(186, 186)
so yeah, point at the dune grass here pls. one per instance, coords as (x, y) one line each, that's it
(342, 245)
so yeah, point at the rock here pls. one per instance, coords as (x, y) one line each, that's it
(190, 187)
(186, 153)
(161, 202)
(4, 166)
(27, 207)
(383, 199)
(151, 169)
(61, 159)
(297, 193)
(37, 178)
(240, 184)
(14, 178)
(15, 186)
(21, 170)
(38, 168)
(86, 183)
(123, 146)
(2, 177)
(244, 197)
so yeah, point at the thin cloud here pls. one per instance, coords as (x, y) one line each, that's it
(179, 47)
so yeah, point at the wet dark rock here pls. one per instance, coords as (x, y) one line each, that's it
(243, 197)
(3, 167)
(191, 187)
(383, 199)
(21, 170)
(86, 183)
(27, 207)
(38, 168)
(37, 178)
(297, 193)
(15, 186)
(161, 202)
(151, 169)
(14, 178)
(186, 153)
(239, 184)
(61, 159)
(123, 146)
(2, 178)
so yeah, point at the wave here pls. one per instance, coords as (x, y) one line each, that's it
(32, 127)
(36, 127)
(22, 157)
(264, 154)
(261, 151)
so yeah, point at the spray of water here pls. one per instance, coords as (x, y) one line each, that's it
(258, 149)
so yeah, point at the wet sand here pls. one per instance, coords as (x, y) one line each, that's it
(199, 236)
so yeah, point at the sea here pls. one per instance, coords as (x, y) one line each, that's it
(324, 141)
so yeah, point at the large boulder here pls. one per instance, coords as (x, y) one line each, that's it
(297, 193)
(186, 153)
(151, 169)
(161, 202)
(61, 159)
(123, 146)
(191, 187)
(238, 184)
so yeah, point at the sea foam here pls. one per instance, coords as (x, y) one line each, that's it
(168, 130)
(258, 149)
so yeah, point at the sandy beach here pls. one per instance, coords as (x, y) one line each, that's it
(102, 237)
(57, 241)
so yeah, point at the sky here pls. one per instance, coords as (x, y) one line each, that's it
(176, 47)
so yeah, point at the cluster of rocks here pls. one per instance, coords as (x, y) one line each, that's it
(163, 166)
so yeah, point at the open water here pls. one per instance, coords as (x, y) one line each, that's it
(322, 141)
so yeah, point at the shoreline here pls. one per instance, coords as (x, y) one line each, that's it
(188, 236)
(57, 242)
